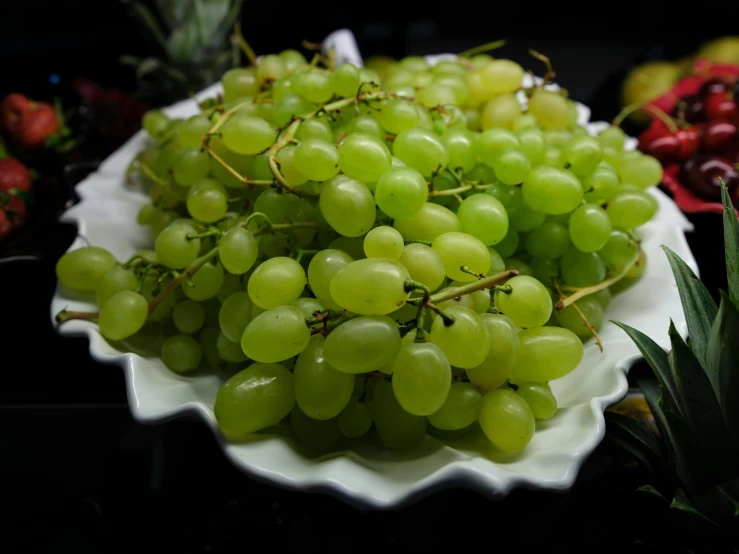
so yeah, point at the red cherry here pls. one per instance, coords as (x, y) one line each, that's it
(717, 134)
(713, 85)
(694, 109)
(664, 148)
(718, 105)
(688, 142)
(703, 175)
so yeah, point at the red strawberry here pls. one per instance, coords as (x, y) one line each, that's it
(14, 175)
(5, 224)
(15, 209)
(14, 179)
(11, 110)
(28, 123)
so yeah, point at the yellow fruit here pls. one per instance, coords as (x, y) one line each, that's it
(648, 81)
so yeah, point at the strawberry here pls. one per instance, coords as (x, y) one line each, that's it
(5, 224)
(14, 176)
(28, 123)
(15, 180)
(11, 110)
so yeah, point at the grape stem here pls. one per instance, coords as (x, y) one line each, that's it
(586, 291)
(212, 233)
(245, 47)
(482, 48)
(146, 170)
(550, 74)
(589, 326)
(191, 270)
(456, 191)
(651, 110)
(66, 315)
(469, 288)
(287, 227)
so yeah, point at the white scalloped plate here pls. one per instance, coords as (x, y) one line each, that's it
(366, 474)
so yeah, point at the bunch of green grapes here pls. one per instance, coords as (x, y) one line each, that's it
(423, 254)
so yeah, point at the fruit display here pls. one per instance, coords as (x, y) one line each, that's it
(695, 136)
(421, 255)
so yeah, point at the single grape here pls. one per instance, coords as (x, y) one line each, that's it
(314, 128)
(276, 282)
(190, 166)
(205, 283)
(581, 269)
(322, 269)
(348, 206)
(465, 342)
(366, 124)
(246, 134)
(502, 111)
(292, 59)
(259, 396)
(630, 208)
(401, 193)
(383, 242)
(286, 160)
(539, 398)
(188, 316)
(461, 408)
(208, 341)
(355, 420)
(421, 150)
(484, 217)
(498, 364)
(532, 144)
(206, 203)
(317, 159)
(421, 378)
(174, 247)
(619, 251)
(122, 315)
(345, 80)
(463, 300)
(570, 318)
(238, 83)
(313, 85)
(590, 228)
(500, 76)
(546, 353)
(600, 185)
(397, 115)
(550, 109)
(155, 123)
(362, 344)
(435, 94)
(373, 286)
(507, 420)
(83, 269)
(181, 353)
(550, 241)
(460, 249)
(512, 167)
(238, 250)
(397, 428)
(234, 315)
(423, 264)
(612, 136)
(276, 335)
(364, 157)
(308, 306)
(528, 304)
(289, 106)
(583, 154)
(644, 172)
(497, 264)
(116, 279)
(545, 271)
(552, 190)
(493, 142)
(461, 146)
(430, 222)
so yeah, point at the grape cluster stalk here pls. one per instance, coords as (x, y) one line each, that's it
(406, 253)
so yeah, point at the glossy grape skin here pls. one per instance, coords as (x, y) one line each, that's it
(238, 250)
(493, 142)
(546, 353)
(206, 203)
(532, 144)
(238, 83)
(173, 247)
(155, 123)
(314, 128)
(190, 166)
(461, 146)
(397, 115)
(234, 315)
(322, 269)
(583, 154)
(289, 106)
(315, 86)
(581, 269)
(276, 335)
(362, 344)
(383, 242)
(181, 353)
(465, 342)
(345, 80)
(116, 279)
(355, 420)
(528, 304)
(397, 428)
(630, 208)
(366, 124)
(364, 157)
(552, 190)
(122, 315)
(319, 436)
(539, 398)
(348, 206)
(550, 109)
(321, 391)
(507, 420)
(590, 228)
(423, 264)
(317, 159)
(501, 76)
(421, 150)
(188, 316)
(619, 251)
(401, 193)
(373, 286)
(570, 318)
(245, 134)
(431, 221)
(600, 185)
(82, 269)
(498, 364)
(461, 408)
(484, 217)
(550, 241)
(460, 249)
(644, 172)
(421, 378)
(205, 283)
(258, 397)
(276, 282)
(502, 111)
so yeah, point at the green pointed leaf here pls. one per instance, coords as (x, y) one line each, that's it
(649, 489)
(731, 246)
(700, 309)
(151, 23)
(681, 502)
(723, 363)
(657, 360)
(637, 438)
(729, 491)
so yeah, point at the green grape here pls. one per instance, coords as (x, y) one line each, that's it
(546, 353)
(317, 159)
(314, 128)
(581, 269)
(552, 190)
(518, 265)
(259, 396)
(383, 242)
(345, 80)
(308, 306)
(238, 250)
(549, 241)
(603, 297)
(460, 249)
(465, 342)
(611, 156)
(83, 269)
(424, 264)
(630, 208)
(292, 59)
(637, 270)
(116, 279)
(316, 435)
(612, 136)
(238, 83)
(509, 244)
(493, 142)
(497, 264)
(276, 335)
(122, 315)
(188, 316)
(498, 364)
(206, 203)
(570, 318)
(208, 341)
(545, 270)
(289, 106)
(528, 304)
(362, 344)
(461, 408)
(500, 76)
(643, 171)
(366, 124)
(190, 166)
(286, 160)
(619, 251)
(181, 353)
(228, 350)
(502, 112)
(320, 390)
(173, 247)
(484, 217)
(155, 123)
(465, 301)
(364, 157)
(313, 85)
(369, 76)
(246, 134)
(373, 286)
(435, 95)
(550, 109)
(477, 93)
(512, 167)
(583, 154)
(526, 121)
(455, 83)
(270, 68)
(421, 150)
(348, 206)
(590, 228)
(322, 269)
(507, 420)
(190, 132)
(481, 173)
(146, 214)
(424, 119)
(446, 67)
(553, 156)
(397, 428)
(276, 282)
(600, 185)
(234, 315)
(401, 193)
(532, 144)
(431, 221)
(539, 398)
(414, 64)
(355, 420)
(244, 165)
(397, 115)
(460, 144)
(205, 283)
(421, 378)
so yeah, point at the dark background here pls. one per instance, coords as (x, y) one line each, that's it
(77, 474)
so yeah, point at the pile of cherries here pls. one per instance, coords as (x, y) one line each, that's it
(705, 144)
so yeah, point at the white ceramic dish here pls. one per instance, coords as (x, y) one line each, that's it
(368, 475)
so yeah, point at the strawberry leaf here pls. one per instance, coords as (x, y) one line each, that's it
(731, 246)
(700, 309)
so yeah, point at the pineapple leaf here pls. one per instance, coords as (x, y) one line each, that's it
(658, 361)
(636, 437)
(729, 492)
(148, 19)
(649, 489)
(731, 246)
(700, 309)
(680, 502)
(723, 362)
(702, 410)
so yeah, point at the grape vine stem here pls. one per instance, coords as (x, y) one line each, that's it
(287, 227)
(456, 191)
(191, 270)
(469, 288)
(587, 291)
